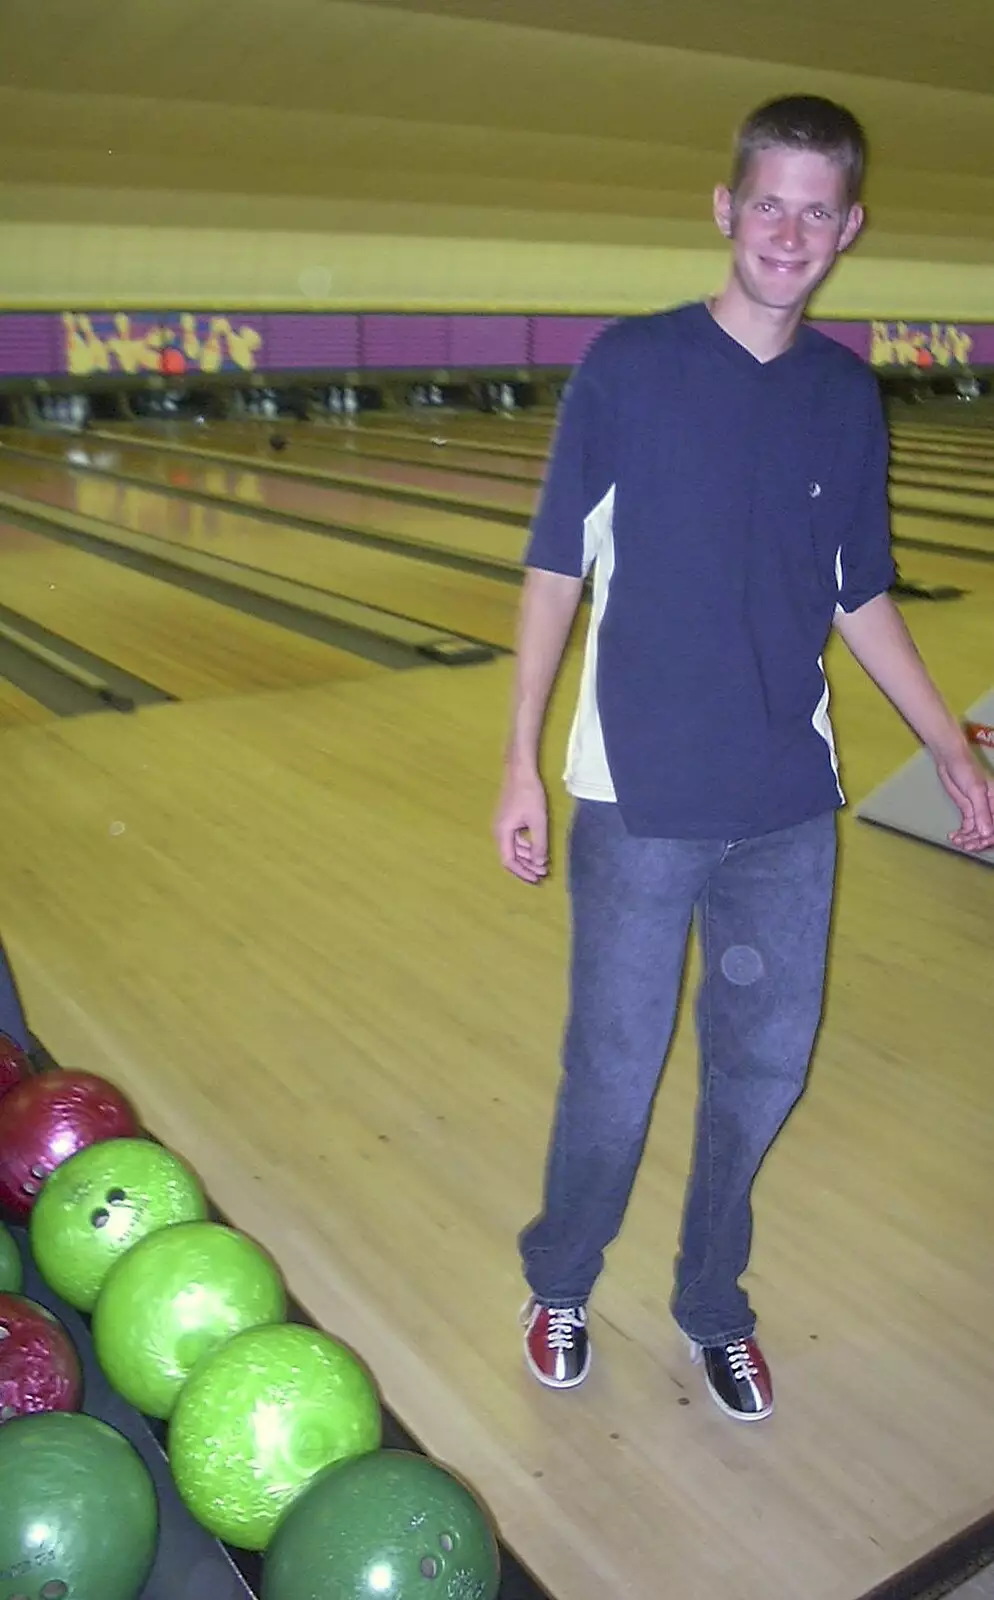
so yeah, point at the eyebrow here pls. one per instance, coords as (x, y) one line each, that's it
(827, 205)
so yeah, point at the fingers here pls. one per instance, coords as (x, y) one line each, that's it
(528, 857)
(523, 848)
(984, 810)
(973, 795)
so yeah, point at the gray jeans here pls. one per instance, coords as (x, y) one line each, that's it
(762, 909)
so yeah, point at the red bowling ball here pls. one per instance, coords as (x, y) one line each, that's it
(39, 1367)
(45, 1120)
(14, 1065)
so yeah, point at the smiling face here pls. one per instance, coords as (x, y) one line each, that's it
(788, 222)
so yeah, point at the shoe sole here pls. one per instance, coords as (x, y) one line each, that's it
(697, 1357)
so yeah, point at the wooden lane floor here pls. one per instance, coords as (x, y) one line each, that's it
(426, 528)
(348, 1020)
(953, 444)
(19, 710)
(510, 481)
(488, 437)
(957, 515)
(181, 643)
(433, 592)
(169, 465)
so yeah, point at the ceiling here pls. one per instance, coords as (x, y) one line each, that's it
(584, 119)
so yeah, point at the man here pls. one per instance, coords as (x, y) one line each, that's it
(722, 468)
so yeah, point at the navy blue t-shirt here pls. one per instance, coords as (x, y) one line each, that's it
(725, 508)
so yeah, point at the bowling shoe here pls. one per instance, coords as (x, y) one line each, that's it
(738, 1378)
(557, 1345)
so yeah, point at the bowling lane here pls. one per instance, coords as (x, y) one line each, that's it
(951, 502)
(945, 493)
(430, 592)
(18, 710)
(430, 528)
(959, 444)
(284, 494)
(941, 474)
(186, 645)
(524, 428)
(425, 466)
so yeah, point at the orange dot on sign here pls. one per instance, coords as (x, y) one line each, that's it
(173, 362)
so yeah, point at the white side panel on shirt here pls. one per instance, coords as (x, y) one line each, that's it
(587, 775)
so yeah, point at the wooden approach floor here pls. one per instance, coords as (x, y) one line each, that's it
(276, 920)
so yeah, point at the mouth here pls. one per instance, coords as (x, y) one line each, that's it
(784, 269)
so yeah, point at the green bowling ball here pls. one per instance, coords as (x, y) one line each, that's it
(259, 1419)
(98, 1204)
(389, 1526)
(11, 1266)
(78, 1511)
(172, 1300)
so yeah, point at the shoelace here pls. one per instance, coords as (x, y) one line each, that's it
(740, 1360)
(562, 1321)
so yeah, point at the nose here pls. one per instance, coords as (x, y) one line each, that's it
(789, 232)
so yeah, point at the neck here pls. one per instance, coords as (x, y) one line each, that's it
(765, 331)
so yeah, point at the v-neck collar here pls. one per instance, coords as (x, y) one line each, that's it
(718, 339)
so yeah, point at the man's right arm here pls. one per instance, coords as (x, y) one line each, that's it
(548, 606)
(556, 562)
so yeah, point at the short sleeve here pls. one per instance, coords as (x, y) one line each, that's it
(866, 565)
(578, 476)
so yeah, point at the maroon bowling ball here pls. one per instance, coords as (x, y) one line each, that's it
(45, 1120)
(39, 1367)
(14, 1065)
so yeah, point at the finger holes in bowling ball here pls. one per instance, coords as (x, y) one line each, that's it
(429, 1567)
(447, 1542)
(100, 1217)
(54, 1591)
(116, 1197)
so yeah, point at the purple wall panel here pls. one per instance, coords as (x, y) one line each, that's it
(30, 344)
(91, 344)
(312, 340)
(854, 335)
(562, 341)
(488, 341)
(405, 341)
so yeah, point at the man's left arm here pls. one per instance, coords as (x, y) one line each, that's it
(878, 638)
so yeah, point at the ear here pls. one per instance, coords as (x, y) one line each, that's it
(724, 209)
(854, 223)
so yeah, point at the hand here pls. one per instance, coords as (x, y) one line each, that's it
(521, 826)
(971, 788)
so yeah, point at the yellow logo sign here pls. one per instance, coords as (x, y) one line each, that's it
(908, 344)
(119, 342)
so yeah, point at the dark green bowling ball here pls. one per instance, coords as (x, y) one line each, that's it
(78, 1511)
(11, 1268)
(389, 1526)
